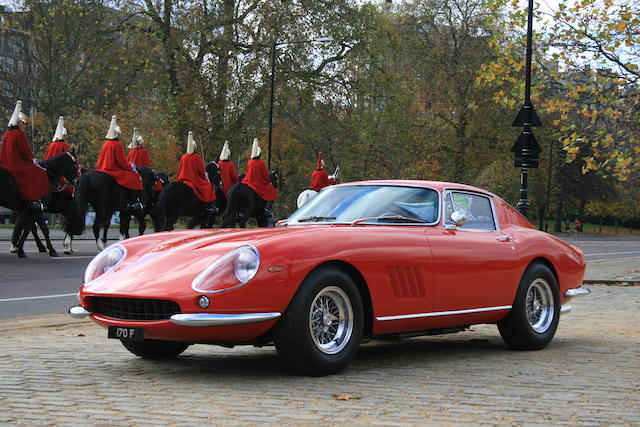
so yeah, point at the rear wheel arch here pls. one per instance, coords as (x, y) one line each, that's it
(547, 263)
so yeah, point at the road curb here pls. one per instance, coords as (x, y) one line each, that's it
(611, 282)
(40, 321)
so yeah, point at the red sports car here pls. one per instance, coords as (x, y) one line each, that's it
(360, 260)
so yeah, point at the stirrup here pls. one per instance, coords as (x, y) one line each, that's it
(36, 205)
(135, 207)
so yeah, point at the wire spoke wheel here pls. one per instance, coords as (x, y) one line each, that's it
(331, 320)
(539, 304)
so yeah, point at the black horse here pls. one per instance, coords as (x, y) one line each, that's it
(150, 197)
(106, 196)
(62, 165)
(244, 203)
(179, 199)
(56, 202)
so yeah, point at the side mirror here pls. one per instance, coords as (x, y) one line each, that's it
(458, 219)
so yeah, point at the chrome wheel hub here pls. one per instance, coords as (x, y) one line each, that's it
(331, 320)
(540, 305)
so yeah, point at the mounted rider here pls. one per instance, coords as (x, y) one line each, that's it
(257, 177)
(17, 158)
(58, 144)
(138, 155)
(112, 161)
(228, 171)
(319, 177)
(192, 173)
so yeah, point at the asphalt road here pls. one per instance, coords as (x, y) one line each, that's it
(40, 284)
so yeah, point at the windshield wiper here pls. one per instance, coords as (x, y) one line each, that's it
(394, 218)
(315, 218)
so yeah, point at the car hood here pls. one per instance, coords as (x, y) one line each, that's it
(171, 260)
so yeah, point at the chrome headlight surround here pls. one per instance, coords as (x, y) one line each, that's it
(231, 271)
(108, 259)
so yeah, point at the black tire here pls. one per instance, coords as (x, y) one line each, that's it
(535, 313)
(314, 345)
(154, 349)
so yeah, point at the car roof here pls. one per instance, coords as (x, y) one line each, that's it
(436, 185)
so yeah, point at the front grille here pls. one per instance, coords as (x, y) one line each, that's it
(134, 308)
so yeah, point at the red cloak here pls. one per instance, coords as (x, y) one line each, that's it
(139, 157)
(257, 178)
(17, 158)
(320, 179)
(228, 174)
(55, 148)
(191, 172)
(113, 162)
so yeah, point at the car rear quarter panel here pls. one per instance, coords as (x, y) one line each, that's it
(566, 261)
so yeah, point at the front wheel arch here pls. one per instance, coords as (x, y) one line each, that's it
(363, 288)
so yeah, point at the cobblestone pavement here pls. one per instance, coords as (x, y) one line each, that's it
(71, 374)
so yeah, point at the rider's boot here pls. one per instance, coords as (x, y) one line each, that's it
(267, 209)
(134, 205)
(35, 205)
(210, 208)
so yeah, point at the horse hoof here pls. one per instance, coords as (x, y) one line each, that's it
(53, 253)
(100, 244)
(21, 254)
(68, 251)
(13, 249)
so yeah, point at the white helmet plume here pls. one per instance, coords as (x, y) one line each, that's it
(191, 144)
(60, 130)
(134, 139)
(225, 154)
(17, 115)
(114, 129)
(255, 149)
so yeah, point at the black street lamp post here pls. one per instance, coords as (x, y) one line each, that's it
(274, 46)
(526, 149)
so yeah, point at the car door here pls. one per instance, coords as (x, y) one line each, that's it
(475, 265)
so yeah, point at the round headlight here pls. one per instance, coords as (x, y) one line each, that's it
(104, 261)
(246, 265)
(228, 272)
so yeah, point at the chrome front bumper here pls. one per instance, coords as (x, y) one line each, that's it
(573, 293)
(208, 319)
(199, 319)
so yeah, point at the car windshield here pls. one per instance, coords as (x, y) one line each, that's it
(380, 204)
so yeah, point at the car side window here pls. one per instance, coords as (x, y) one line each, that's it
(475, 207)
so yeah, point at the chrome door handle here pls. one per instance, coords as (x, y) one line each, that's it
(504, 238)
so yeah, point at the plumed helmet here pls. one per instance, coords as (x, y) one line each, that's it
(255, 149)
(60, 130)
(17, 115)
(320, 163)
(134, 139)
(191, 144)
(114, 129)
(225, 154)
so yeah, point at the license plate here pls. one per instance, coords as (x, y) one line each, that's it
(126, 333)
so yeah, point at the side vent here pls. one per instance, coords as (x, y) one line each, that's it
(406, 282)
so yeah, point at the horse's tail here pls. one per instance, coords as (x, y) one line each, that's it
(159, 212)
(230, 212)
(77, 210)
